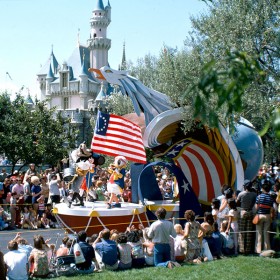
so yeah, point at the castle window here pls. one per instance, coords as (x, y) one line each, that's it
(66, 103)
(64, 81)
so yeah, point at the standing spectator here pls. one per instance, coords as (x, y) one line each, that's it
(41, 207)
(6, 188)
(27, 191)
(88, 252)
(224, 209)
(16, 262)
(30, 172)
(233, 222)
(160, 232)
(19, 191)
(3, 175)
(216, 203)
(63, 191)
(45, 188)
(1, 192)
(264, 205)
(13, 208)
(106, 251)
(54, 188)
(35, 191)
(246, 200)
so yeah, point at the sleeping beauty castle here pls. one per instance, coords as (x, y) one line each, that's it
(69, 87)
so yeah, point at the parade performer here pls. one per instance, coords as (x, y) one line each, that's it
(116, 182)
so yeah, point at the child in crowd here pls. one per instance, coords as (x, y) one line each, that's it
(3, 218)
(137, 251)
(124, 251)
(25, 219)
(233, 222)
(178, 249)
(41, 207)
(227, 241)
(45, 222)
(148, 248)
(33, 219)
(216, 203)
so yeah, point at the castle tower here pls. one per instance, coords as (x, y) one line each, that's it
(98, 43)
(123, 65)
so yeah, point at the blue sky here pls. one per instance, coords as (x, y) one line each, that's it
(29, 28)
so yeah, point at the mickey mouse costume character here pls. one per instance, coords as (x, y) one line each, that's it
(116, 182)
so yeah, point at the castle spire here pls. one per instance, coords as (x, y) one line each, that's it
(123, 65)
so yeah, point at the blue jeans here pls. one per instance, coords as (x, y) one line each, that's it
(162, 254)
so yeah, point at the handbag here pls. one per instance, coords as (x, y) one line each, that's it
(256, 219)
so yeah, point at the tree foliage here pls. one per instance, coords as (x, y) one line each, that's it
(229, 67)
(32, 135)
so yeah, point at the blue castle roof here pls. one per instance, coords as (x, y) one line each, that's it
(99, 6)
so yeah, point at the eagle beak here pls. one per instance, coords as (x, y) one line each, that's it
(98, 72)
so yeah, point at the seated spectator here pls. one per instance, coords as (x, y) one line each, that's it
(207, 234)
(3, 218)
(178, 249)
(106, 251)
(25, 220)
(23, 245)
(50, 216)
(33, 219)
(193, 246)
(137, 250)
(45, 222)
(88, 252)
(124, 252)
(148, 248)
(227, 240)
(16, 262)
(38, 259)
(3, 267)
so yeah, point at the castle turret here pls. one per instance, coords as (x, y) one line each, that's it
(98, 43)
(83, 85)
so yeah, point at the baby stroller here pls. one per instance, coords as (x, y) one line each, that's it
(65, 265)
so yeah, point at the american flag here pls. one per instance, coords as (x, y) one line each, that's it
(202, 166)
(116, 136)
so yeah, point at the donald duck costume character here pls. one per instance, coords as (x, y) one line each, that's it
(116, 182)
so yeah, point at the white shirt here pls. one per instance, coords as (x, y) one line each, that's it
(16, 262)
(160, 231)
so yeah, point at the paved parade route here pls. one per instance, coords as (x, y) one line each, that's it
(56, 235)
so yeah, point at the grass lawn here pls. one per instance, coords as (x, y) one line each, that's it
(238, 268)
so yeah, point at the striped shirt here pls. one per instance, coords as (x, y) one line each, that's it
(265, 203)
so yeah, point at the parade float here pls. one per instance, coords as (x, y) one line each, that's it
(201, 160)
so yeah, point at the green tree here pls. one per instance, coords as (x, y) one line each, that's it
(33, 135)
(251, 28)
(119, 104)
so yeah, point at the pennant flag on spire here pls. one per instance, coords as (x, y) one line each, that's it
(116, 136)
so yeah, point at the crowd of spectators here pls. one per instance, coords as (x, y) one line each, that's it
(227, 228)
